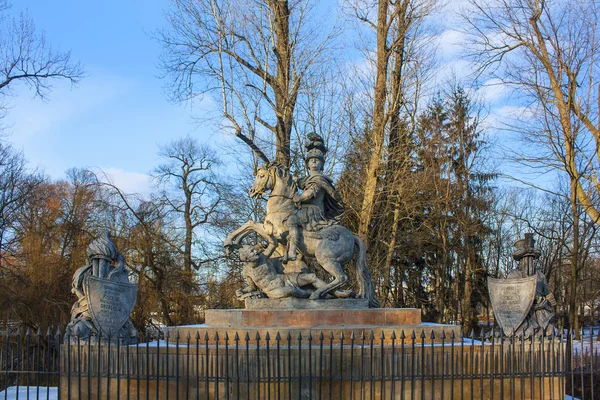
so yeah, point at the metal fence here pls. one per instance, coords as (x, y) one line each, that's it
(361, 365)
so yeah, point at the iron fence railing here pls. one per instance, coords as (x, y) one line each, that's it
(360, 365)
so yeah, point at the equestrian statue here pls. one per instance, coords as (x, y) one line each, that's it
(306, 224)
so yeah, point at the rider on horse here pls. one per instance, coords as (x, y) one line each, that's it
(319, 205)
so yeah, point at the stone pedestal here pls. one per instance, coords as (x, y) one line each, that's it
(304, 318)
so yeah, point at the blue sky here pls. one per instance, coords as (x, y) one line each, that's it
(119, 113)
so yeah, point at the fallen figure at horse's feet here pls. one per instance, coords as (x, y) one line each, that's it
(262, 277)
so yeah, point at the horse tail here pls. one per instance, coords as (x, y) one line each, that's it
(365, 280)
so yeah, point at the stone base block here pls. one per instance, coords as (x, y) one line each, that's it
(385, 324)
(380, 317)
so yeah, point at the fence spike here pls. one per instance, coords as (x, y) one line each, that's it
(289, 337)
(197, 335)
(247, 337)
(382, 336)
(177, 335)
(481, 333)
(188, 336)
(227, 336)
(352, 335)
(216, 337)
(278, 337)
(393, 335)
(206, 336)
(413, 336)
(310, 338)
(299, 336)
(331, 337)
(236, 337)
(28, 332)
(342, 337)
(257, 337)
(423, 336)
(472, 334)
(39, 332)
(402, 335)
(452, 335)
(432, 336)
(362, 335)
(267, 336)
(372, 336)
(48, 332)
(444, 335)
(168, 334)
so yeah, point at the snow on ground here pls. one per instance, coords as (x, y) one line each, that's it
(589, 341)
(30, 392)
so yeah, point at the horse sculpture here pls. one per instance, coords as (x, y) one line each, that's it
(333, 246)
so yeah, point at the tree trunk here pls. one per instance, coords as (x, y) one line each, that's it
(573, 318)
(389, 256)
(285, 100)
(378, 132)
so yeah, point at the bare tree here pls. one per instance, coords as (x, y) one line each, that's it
(192, 191)
(254, 56)
(16, 185)
(26, 56)
(397, 62)
(548, 51)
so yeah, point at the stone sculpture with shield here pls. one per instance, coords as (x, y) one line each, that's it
(523, 304)
(302, 225)
(105, 297)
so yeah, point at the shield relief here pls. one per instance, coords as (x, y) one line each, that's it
(511, 300)
(110, 303)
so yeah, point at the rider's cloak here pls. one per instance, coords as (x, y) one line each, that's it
(321, 203)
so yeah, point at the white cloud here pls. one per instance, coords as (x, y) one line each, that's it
(505, 116)
(492, 92)
(450, 43)
(457, 68)
(130, 182)
(30, 118)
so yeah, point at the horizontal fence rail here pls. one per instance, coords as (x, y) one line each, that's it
(407, 365)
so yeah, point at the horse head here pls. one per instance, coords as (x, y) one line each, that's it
(268, 177)
(264, 180)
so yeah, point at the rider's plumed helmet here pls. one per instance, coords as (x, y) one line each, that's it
(315, 147)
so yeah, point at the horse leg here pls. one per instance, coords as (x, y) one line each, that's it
(316, 282)
(234, 238)
(339, 278)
